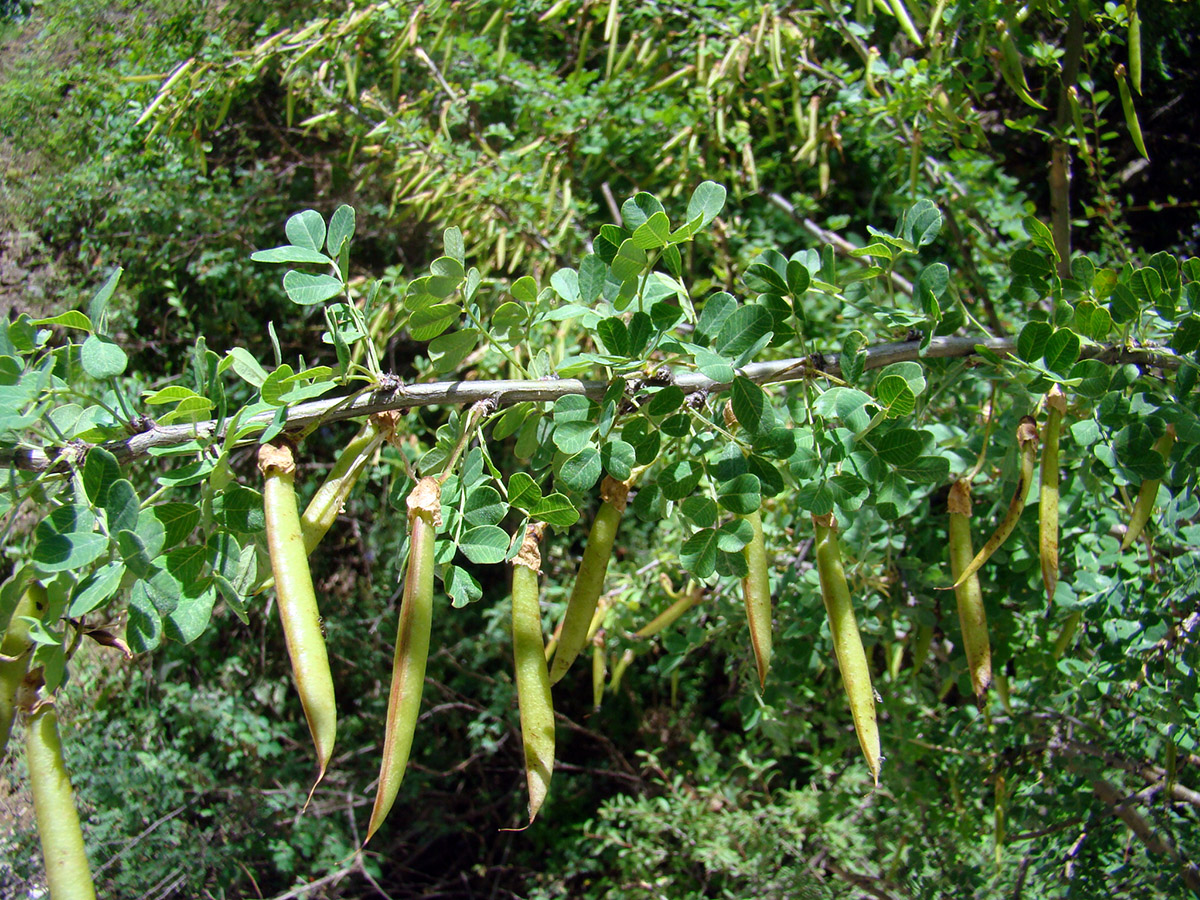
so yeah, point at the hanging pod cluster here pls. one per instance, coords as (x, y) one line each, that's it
(291, 538)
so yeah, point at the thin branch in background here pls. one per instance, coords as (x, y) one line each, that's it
(611, 202)
(138, 838)
(967, 252)
(1143, 831)
(836, 240)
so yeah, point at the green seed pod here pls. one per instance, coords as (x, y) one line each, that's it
(971, 614)
(1056, 402)
(67, 872)
(921, 645)
(1143, 506)
(599, 669)
(14, 655)
(322, 511)
(682, 602)
(532, 677)
(852, 660)
(412, 646)
(1011, 68)
(756, 592)
(1027, 441)
(1135, 46)
(1131, 119)
(1067, 634)
(297, 600)
(589, 581)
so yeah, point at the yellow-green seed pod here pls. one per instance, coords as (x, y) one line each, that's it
(14, 654)
(1134, 39)
(297, 600)
(1011, 69)
(1027, 441)
(756, 592)
(1131, 119)
(1056, 403)
(412, 647)
(971, 615)
(1143, 506)
(67, 873)
(589, 581)
(532, 677)
(852, 659)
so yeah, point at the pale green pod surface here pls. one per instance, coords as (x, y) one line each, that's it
(589, 581)
(297, 600)
(972, 617)
(322, 511)
(852, 659)
(532, 676)
(1056, 402)
(67, 872)
(1027, 441)
(412, 647)
(756, 592)
(15, 652)
(1143, 506)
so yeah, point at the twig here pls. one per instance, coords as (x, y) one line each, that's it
(902, 284)
(136, 839)
(1136, 823)
(508, 392)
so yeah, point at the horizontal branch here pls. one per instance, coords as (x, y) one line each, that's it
(508, 392)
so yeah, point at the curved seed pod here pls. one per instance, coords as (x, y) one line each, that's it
(669, 616)
(1081, 135)
(1011, 68)
(1131, 119)
(67, 872)
(1003, 691)
(322, 511)
(412, 646)
(14, 655)
(1067, 634)
(590, 580)
(297, 599)
(905, 21)
(921, 645)
(1134, 38)
(619, 667)
(756, 591)
(971, 615)
(599, 669)
(1027, 441)
(1143, 506)
(852, 660)
(532, 677)
(1056, 402)
(598, 617)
